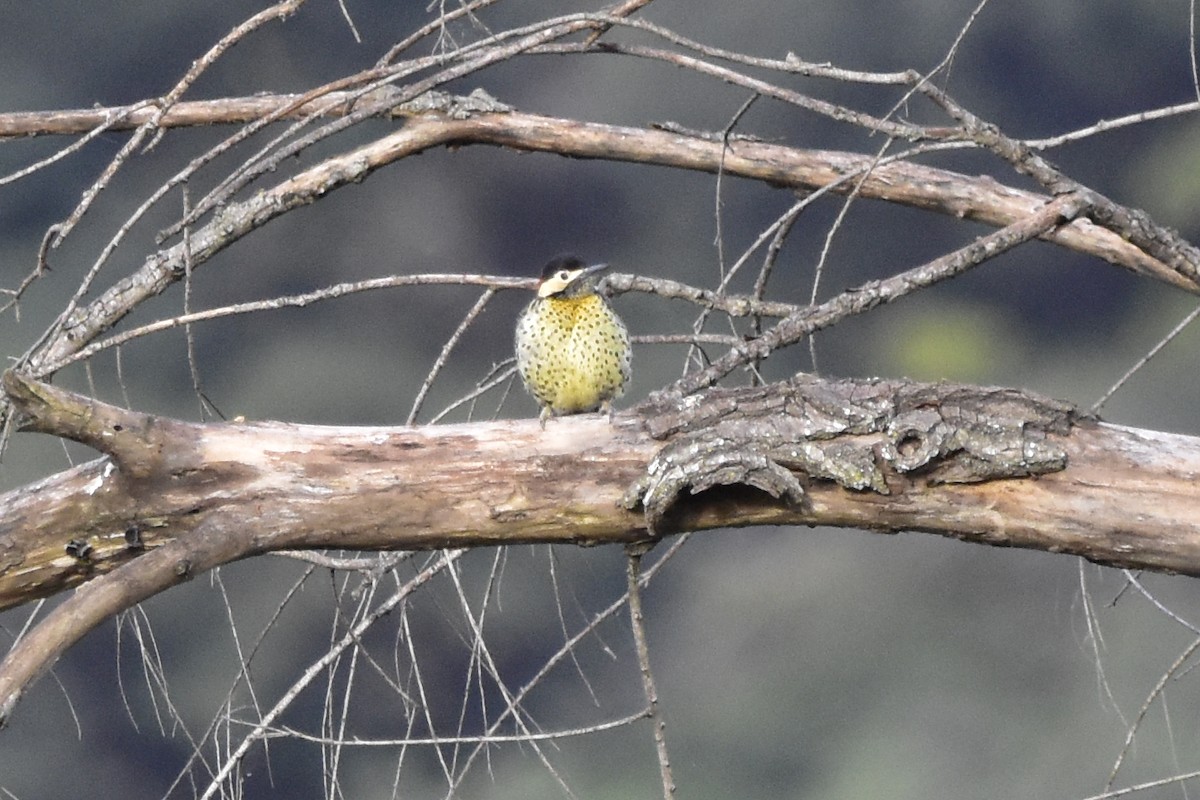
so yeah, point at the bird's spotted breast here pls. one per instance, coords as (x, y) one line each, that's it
(573, 353)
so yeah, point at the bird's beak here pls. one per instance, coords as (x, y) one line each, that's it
(590, 276)
(593, 269)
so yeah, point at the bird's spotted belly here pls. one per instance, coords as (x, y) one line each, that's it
(573, 355)
(586, 380)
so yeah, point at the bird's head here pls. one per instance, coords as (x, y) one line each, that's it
(569, 276)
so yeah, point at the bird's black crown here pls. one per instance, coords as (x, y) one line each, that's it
(566, 261)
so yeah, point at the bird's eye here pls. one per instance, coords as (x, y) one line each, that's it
(563, 275)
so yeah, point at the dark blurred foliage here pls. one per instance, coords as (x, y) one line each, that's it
(792, 663)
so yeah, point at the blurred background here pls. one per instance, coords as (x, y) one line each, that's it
(791, 662)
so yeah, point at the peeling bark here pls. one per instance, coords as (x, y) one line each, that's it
(858, 434)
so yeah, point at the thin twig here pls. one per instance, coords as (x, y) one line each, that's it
(732, 305)
(349, 21)
(356, 741)
(834, 227)
(633, 568)
(1154, 694)
(621, 10)
(568, 646)
(1145, 359)
(350, 639)
(431, 27)
(791, 64)
(1112, 124)
(702, 317)
(1141, 787)
(289, 301)
(943, 64)
(504, 371)
(448, 348)
(865, 297)
(1192, 47)
(824, 108)
(768, 266)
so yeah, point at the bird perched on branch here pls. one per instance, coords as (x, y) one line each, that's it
(572, 348)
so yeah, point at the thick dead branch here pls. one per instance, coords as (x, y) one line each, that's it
(914, 456)
(172, 498)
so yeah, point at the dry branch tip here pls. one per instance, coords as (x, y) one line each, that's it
(136, 441)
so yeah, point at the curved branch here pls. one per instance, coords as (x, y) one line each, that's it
(211, 545)
(979, 199)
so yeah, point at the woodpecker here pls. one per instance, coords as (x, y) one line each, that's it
(572, 348)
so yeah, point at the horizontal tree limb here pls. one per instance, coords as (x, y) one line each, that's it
(171, 499)
(1125, 497)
